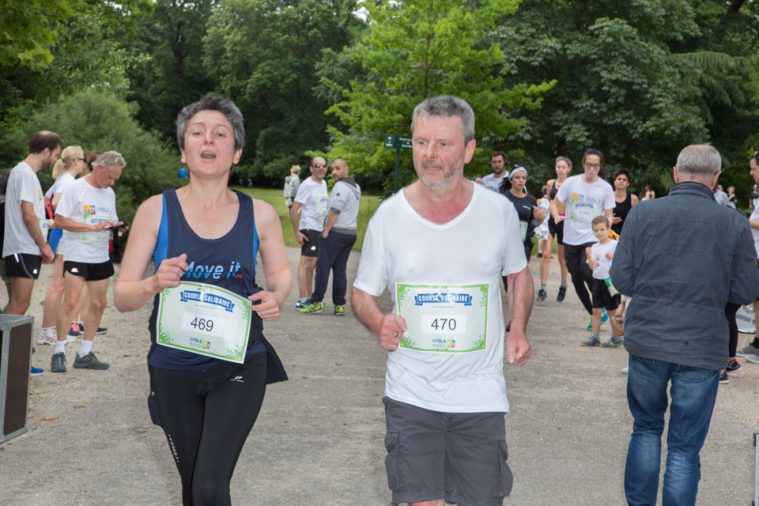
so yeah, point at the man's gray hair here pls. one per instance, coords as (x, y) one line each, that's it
(447, 106)
(211, 103)
(699, 160)
(109, 159)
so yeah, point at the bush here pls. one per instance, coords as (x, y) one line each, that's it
(101, 122)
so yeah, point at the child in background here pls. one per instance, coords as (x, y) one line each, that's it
(544, 242)
(600, 257)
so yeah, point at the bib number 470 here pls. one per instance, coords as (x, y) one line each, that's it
(443, 324)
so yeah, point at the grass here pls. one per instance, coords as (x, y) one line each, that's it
(369, 204)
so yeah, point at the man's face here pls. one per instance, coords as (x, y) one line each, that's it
(498, 164)
(339, 170)
(319, 168)
(754, 170)
(50, 157)
(105, 177)
(592, 166)
(439, 151)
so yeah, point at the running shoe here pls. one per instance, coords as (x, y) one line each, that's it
(604, 316)
(733, 368)
(99, 332)
(592, 341)
(58, 362)
(540, 254)
(723, 378)
(75, 331)
(754, 359)
(36, 371)
(748, 351)
(302, 303)
(562, 293)
(613, 342)
(340, 310)
(90, 361)
(542, 295)
(47, 337)
(590, 324)
(316, 307)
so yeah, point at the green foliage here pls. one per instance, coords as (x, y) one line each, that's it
(28, 31)
(369, 204)
(263, 54)
(171, 75)
(101, 122)
(415, 49)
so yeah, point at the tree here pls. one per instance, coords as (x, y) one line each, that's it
(101, 122)
(172, 74)
(415, 49)
(27, 31)
(639, 80)
(263, 54)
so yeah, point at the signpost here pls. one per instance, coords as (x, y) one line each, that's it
(397, 142)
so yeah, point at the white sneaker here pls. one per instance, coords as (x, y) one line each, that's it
(47, 336)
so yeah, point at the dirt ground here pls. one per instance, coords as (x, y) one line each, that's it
(318, 440)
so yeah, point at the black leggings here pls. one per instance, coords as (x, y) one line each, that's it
(207, 433)
(582, 276)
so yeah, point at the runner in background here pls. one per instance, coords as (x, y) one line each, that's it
(563, 167)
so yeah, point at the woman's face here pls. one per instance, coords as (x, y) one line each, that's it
(518, 181)
(209, 144)
(562, 169)
(621, 182)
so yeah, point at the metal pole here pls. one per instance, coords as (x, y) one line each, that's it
(397, 166)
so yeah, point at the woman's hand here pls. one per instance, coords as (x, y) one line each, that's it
(169, 273)
(266, 305)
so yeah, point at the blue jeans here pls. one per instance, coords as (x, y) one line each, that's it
(693, 393)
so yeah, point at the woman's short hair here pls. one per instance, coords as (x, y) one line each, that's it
(212, 103)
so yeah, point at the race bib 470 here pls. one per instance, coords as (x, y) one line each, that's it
(443, 318)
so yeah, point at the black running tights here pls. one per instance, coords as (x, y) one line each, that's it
(582, 276)
(207, 433)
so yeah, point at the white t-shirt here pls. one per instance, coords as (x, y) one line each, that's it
(83, 203)
(755, 217)
(493, 182)
(598, 253)
(584, 202)
(23, 186)
(60, 183)
(315, 204)
(476, 248)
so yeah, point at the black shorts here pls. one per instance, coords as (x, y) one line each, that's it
(23, 265)
(90, 272)
(310, 248)
(557, 230)
(601, 297)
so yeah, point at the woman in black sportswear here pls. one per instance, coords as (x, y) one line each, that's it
(203, 239)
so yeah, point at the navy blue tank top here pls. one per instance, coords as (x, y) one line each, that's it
(228, 262)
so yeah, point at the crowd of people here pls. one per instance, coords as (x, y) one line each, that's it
(70, 226)
(446, 335)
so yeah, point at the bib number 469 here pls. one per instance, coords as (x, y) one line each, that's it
(203, 324)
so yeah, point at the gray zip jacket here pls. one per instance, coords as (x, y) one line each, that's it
(345, 201)
(682, 258)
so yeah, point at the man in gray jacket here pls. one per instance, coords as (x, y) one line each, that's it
(338, 237)
(681, 259)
